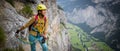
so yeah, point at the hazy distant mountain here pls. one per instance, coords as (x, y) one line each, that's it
(101, 17)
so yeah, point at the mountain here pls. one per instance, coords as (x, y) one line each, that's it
(15, 13)
(100, 17)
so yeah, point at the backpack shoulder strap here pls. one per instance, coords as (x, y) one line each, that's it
(36, 17)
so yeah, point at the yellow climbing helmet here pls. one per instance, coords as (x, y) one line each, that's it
(41, 7)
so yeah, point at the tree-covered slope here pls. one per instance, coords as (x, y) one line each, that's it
(81, 41)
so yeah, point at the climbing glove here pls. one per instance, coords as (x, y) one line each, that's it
(16, 33)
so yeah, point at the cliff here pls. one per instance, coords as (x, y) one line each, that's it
(11, 18)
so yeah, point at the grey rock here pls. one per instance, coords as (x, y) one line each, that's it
(11, 21)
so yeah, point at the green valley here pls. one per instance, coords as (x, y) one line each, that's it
(81, 41)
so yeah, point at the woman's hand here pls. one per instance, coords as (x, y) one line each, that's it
(16, 33)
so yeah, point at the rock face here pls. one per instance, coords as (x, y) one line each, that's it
(11, 20)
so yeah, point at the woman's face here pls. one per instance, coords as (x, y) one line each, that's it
(43, 12)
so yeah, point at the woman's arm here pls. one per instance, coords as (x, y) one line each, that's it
(27, 24)
(46, 26)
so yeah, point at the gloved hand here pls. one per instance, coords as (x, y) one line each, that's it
(16, 33)
(44, 38)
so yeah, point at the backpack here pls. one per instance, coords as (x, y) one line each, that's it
(35, 22)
